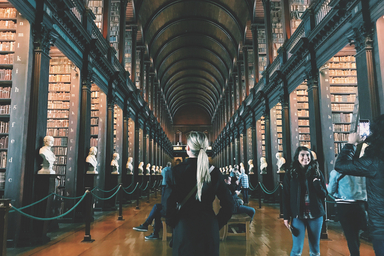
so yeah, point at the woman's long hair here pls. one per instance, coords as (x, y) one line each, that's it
(198, 143)
(376, 139)
(313, 166)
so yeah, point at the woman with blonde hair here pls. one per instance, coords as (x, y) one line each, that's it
(196, 227)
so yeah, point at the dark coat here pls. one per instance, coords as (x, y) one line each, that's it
(292, 196)
(372, 168)
(196, 227)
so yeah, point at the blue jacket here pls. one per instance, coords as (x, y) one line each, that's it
(163, 173)
(351, 188)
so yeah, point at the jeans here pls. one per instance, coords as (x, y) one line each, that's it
(378, 246)
(247, 210)
(352, 219)
(314, 230)
(155, 214)
(245, 195)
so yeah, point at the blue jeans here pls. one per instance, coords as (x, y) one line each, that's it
(378, 246)
(245, 195)
(314, 230)
(155, 214)
(247, 210)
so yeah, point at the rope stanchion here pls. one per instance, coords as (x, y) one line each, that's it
(269, 192)
(88, 217)
(253, 188)
(145, 187)
(51, 218)
(129, 193)
(100, 198)
(129, 186)
(120, 196)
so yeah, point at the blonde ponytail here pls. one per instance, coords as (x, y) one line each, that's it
(198, 143)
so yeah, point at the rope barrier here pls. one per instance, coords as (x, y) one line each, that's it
(67, 197)
(154, 184)
(145, 186)
(129, 186)
(32, 204)
(106, 191)
(100, 198)
(129, 193)
(253, 188)
(51, 218)
(265, 190)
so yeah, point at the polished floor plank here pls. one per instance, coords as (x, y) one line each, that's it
(268, 237)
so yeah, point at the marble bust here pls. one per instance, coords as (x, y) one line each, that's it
(148, 169)
(153, 169)
(129, 166)
(115, 163)
(263, 165)
(280, 163)
(140, 168)
(92, 161)
(48, 156)
(160, 169)
(157, 170)
(250, 164)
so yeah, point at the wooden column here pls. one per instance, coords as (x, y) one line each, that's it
(268, 146)
(235, 93)
(255, 45)
(133, 56)
(239, 84)
(147, 81)
(106, 20)
(286, 19)
(122, 28)
(268, 31)
(246, 69)
(243, 143)
(142, 51)
(286, 124)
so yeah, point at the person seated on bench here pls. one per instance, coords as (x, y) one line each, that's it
(239, 207)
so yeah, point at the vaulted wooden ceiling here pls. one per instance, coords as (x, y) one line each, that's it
(193, 45)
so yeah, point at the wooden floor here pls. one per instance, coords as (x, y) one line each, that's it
(268, 237)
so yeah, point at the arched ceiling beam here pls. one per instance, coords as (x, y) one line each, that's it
(194, 101)
(187, 90)
(191, 84)
(193, 96)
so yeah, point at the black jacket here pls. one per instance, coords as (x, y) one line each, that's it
(292, 194)
(373, 169)
(196, 227)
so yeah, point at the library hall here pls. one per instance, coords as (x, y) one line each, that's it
(192, 127)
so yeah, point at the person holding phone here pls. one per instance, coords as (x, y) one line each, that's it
(304, 192)
(371, 166)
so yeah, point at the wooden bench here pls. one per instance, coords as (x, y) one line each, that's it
(241, 218)
(167, 230)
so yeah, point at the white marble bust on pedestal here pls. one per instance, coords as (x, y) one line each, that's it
(250, 164)
(129, 166)
(140, 168)
(157, 170)
(280, 163)
(263, 165)
(227, 169)
(148, 169)
(115, 163)
(160, 169)
(153, 169)
(92, 161)
(48, 156)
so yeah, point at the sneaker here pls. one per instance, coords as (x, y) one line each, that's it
(152, 236)
(142, 228)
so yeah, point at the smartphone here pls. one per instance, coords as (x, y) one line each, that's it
(364, 126)
(293, 230)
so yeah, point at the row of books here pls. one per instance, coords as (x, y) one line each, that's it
(343, 98)
(343, 80)
(8, 24)
(303, 122)
(94, 113)
(304, 137)
(4, 142)
(60, 142)
(94, 121)
(7, 13)
(343, 58)
(7, 35)
(7, 46)
(59, 78)
(342, 107)
(2, 180)
(94, 130)
(58, 114)
(4, 127)
(303, 113)
(343, 89)
(341, 127)
(61, 160)
(303, 129)
(59, 169)
(57, 123)
(59, 151)
(58, 104)
(63, 68)
(6, 58)
(339, 72)
(341, 117)
(6, 74)
(62, 132)
(59, 96)
(338, 147)
(59, 87)
(94, 142)
(3, 159)
(340, 136)
(345, 65)
(5, 109)
(95, 94)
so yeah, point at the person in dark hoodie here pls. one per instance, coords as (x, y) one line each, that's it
(371, 166)
(304, 192)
